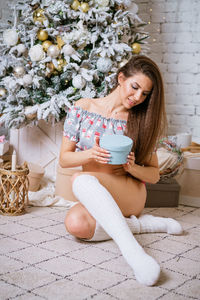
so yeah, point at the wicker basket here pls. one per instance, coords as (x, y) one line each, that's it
(13, 189)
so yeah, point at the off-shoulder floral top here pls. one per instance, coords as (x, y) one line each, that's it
(82, 127)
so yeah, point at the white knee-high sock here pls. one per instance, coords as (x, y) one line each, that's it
(104, 209)
(143, 224)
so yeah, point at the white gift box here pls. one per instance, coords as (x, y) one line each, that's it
(4, 147)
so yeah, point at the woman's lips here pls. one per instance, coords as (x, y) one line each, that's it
(130, 102)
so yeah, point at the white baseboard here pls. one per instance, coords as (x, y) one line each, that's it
(190, 201)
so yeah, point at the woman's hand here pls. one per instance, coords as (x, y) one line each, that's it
(130, 162)
(99, 154)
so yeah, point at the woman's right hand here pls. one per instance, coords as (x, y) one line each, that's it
(99, 154)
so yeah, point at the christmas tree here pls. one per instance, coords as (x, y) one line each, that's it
(57, 52)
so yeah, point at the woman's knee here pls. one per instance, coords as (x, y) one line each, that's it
(79, 224)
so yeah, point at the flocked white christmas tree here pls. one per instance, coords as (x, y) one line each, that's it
(57, 52)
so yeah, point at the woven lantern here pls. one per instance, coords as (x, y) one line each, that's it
(13, 189)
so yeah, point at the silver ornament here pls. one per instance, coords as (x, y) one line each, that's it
(104, 64)
(19, 71)
(78, 82)
(21, 49)
(133, 8)
(10, 37)
(68, 50)
(27, 79)
(102, 3)
(127, 3)
(53, 51)
(2, 92)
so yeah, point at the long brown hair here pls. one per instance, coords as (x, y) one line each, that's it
(147, 121)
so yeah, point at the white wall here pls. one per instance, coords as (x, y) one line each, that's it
(175, 45)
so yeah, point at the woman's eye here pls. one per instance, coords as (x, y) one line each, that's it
(134, 87)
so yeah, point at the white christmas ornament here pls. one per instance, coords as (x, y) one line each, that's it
(36, 53)
(19, 71)
(127, 3)
(53, 51)
(27, 79)
(68, 50)
(78, 82)
(21, 49)
(133, 8)
(10, 37)
(103, 3)
(104, 64)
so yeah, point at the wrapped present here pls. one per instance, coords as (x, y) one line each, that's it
(4, 145)
(170, 159)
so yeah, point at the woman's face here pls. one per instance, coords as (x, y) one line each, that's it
(134, 90)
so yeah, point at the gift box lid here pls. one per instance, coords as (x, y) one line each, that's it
(116, 142)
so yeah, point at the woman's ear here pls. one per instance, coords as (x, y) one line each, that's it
(121, 78)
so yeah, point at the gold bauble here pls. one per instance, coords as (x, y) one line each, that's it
(60, 42)
(46, 44)
(42, 35)
(136, 48)
(2, 92)
(61, 63)
(38, 15)
(51, 69)
(75, 5)
(85, 7)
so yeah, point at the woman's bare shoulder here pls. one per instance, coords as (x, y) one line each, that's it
(86, 103)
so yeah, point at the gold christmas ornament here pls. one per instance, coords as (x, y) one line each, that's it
(38, 15)
(60, 42)
(19, 71)
(85, 7)
(42, 35)
(2, 92)
(46, 44)
(75, 5)
(136, 48)
(61, 63)
(50, 69)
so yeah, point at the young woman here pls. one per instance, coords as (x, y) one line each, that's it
(110, 198)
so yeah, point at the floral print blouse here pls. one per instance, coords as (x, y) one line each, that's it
(82, 127)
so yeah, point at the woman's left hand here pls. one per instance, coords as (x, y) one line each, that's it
(130, 162)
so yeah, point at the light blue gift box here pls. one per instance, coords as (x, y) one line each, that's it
(119, 147)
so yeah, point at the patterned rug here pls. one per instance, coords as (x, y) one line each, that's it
(39, 260)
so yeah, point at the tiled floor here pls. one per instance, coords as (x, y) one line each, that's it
(39, 260)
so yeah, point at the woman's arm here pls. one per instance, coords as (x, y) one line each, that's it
(69, 158)
(148, 173)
